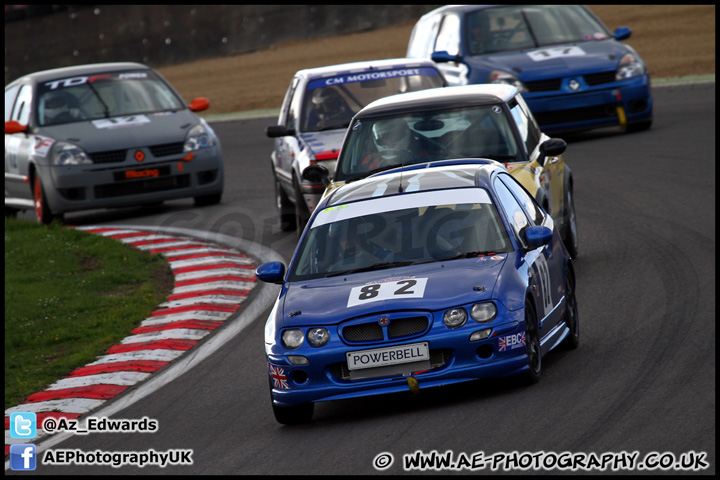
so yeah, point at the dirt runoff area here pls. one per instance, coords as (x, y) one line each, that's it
(673, 41)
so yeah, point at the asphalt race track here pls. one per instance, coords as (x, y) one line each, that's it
(642, 380)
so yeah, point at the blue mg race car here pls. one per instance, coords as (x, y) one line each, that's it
(421, 276)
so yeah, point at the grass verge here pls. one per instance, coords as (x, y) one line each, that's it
(69, 296)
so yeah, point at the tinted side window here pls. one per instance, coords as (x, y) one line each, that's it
(287, 113)
(10, 100)
(527, 126)
(513, 210)
(423, 37)
(449, 35)
(21, 110)
(528, 204)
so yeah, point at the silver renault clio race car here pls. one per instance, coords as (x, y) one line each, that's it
(103, 136)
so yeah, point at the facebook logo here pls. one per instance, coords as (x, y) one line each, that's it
(22, 456)
(23, 424)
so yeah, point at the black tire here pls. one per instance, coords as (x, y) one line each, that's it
(42, 209)
(572, 320)
(302, 213)
(638, 127)
(532, 345)
(295, 415)
(207, 200)
(285, 208)
(570, 239)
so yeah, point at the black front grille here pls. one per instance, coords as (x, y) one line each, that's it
(373, 332)
(364, 332)
(402, 327)
(599, 78)
(112, 156)
(548, 85)
(167, 149)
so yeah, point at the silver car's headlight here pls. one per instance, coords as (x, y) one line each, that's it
(293, 338)
(629, 66)
(69, 154)
(498, 76)
(199, 137)
(483, 312)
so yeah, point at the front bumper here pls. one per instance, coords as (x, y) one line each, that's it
(130, 183)
(454, 358)
(566, 110)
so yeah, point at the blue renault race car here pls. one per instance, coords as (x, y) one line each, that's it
(573, 72)
(417, 277)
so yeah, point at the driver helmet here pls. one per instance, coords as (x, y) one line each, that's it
(57, 103)
(327, 101)
(391, 135)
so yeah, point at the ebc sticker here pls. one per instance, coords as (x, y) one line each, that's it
(555, 52)
(121, 122)
(374, 292)
(511, 342)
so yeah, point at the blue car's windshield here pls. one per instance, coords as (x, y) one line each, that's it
(103, 96)
(397, 231)
(529, 26)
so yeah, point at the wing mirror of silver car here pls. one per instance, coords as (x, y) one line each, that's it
(274, 131)
(316, 174)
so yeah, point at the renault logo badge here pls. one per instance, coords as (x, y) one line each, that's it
(574, 84)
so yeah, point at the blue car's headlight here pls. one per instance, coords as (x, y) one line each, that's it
(498, 76)
(455, 317)
(69, 154)
(317, 337)
(198, 137)
(293, 338)
(629, 66)
(483, 312)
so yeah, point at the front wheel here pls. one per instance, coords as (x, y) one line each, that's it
(572, 319)
(42, 209)
(207, 200)
(570, 238)
(285, 208)
(302, 212)
(295, 415)
(532, 345)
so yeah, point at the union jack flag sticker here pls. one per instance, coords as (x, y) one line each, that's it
(278, 377)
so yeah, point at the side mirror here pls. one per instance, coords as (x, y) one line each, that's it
(316, 174)
(622, 33)
(14, 127)
(443, 57)
(551, 148)
(199, 104)
(271, 272)
(537, 236)
(274, 131)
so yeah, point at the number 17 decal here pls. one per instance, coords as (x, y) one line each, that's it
(373, 292)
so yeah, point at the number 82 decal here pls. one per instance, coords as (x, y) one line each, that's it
(374, 292)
